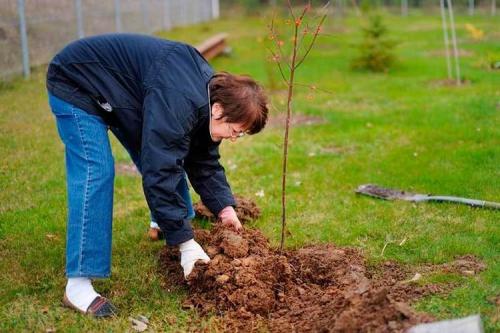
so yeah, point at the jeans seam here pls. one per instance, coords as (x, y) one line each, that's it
(85, 199)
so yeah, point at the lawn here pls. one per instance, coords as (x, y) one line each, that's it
(399, 129)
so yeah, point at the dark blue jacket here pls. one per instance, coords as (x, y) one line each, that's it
(153, 95)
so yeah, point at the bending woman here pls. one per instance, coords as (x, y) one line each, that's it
(170, 111)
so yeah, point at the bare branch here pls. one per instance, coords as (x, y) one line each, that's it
(275, 38)
(316, 17)
(313, 87)
(290, 9)
(278, 62)
(315, 36)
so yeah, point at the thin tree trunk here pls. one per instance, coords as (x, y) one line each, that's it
(446, 40)
(493, 7)
(294, 62)
(285, 141)
(471, 7)
(454, 42)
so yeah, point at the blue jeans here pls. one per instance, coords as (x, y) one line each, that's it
(90, 176)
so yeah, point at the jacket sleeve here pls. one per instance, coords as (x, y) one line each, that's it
(165, 143)
(207, 177)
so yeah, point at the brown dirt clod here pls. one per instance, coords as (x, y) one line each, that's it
(246, 210)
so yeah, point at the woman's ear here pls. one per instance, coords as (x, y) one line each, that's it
(217, 111)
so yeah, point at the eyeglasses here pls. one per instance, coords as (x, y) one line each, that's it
(233, 133)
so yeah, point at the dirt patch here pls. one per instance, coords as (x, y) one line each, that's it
(442, 53)
(402, 283)
(464, 265)
(331, 150)
(448, 83)
(246, 210)
(296, 119)
(128, 169)
(322, 288)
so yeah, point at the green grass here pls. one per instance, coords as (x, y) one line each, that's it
(397, 129)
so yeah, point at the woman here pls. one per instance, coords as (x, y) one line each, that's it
(164, 104)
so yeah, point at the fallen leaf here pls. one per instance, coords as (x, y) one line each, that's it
(51, 236)
(416, 277)
(138, 325)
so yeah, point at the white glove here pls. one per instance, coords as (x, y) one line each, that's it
(191, 252)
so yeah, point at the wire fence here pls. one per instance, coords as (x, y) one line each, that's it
(32, 31)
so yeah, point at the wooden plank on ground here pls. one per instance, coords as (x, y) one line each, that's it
(213, 46)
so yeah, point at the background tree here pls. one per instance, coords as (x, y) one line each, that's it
(375, 50)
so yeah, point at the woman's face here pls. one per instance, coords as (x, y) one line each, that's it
(220, 129)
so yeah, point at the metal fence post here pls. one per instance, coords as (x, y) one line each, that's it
(144, 15)
(442, 4)
(118, 16)
(79, 18)
(167, 24)
(471, 7)
(193, 15)
(215, 9)
(24, 38)
(207, 11)
(454, 41)
(183, 8)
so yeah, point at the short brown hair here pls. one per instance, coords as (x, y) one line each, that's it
(243, 100)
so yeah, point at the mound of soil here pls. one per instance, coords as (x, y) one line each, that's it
(246, 210)
(321, 288)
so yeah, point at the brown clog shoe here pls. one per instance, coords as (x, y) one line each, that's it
(155, 234)
(100, 307)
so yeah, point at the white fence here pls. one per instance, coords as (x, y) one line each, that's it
(32, 31)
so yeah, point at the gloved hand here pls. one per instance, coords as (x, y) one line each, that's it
(191, 252)
(229, 218)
